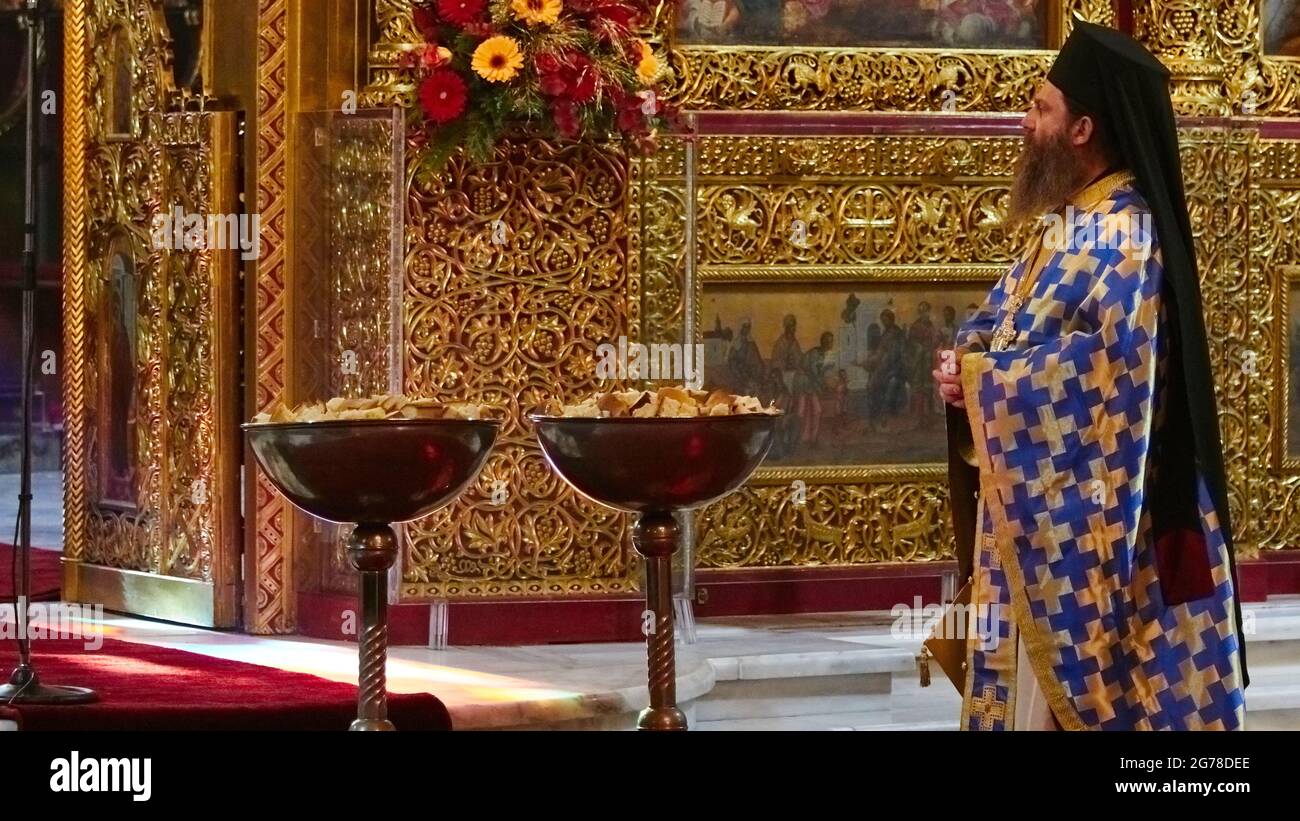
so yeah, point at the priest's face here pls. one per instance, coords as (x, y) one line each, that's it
(1052, 165)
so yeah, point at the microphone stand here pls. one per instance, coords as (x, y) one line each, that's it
(24, 686)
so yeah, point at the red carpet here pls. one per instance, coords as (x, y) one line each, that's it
(142, 687)
(47, 574)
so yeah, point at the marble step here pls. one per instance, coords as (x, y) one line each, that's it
(877, 687)
(851, 678)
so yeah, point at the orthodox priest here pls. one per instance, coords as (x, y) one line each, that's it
(1102, 556)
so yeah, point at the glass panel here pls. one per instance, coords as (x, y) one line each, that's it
(348, 241)
(667, 283)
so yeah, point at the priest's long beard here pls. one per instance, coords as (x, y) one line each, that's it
(1047, 173)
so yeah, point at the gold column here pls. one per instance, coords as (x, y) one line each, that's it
(74, 296)
(269, 601)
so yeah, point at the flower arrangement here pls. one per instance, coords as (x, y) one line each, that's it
(568, 68)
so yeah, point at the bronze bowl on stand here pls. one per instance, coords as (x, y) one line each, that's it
(656, 467)
(372, 473)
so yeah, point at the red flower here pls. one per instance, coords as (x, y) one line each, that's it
(552, 85)
(461, 12)
(566, 118)
(672, 115)
(572, 76)
(425, 21)
(547, 63)
(433, 58)
(614, 11)
(586, 80)
(443, 95)
(631, 118)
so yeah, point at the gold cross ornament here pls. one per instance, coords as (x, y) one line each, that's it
(990, 708)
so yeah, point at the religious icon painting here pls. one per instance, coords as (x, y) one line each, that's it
(1280, 27)
(118, 339)
(849, 362)
(1006, 24)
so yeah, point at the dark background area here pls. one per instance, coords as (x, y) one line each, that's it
(48, 402)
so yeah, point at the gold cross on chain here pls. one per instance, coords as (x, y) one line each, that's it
(1006, 332)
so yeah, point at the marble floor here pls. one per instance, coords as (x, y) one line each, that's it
(845, 671)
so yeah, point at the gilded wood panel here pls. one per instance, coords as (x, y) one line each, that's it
(1274, 214)
(1215, 52)
(75, 118)
(899, 206)
(883, 208)
(516, 270)
(124, 188)
(176, 518)
(1216, 179)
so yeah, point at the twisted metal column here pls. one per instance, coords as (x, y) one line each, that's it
(372, 550)
(655, 538)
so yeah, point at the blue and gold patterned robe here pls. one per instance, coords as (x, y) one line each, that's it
(1065, 561)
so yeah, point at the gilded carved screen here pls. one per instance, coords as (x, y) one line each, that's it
(152, 446)
(1226, 56)
(122, 286)
(892, 229)
(1272, 208)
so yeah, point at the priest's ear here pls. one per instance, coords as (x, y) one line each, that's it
(1083, 130)
(1087, 128)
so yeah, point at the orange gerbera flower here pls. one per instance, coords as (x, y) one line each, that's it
(533, 12)
(497, 59)
(647, 68)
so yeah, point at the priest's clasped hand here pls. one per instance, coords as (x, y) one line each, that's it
(948, 377)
